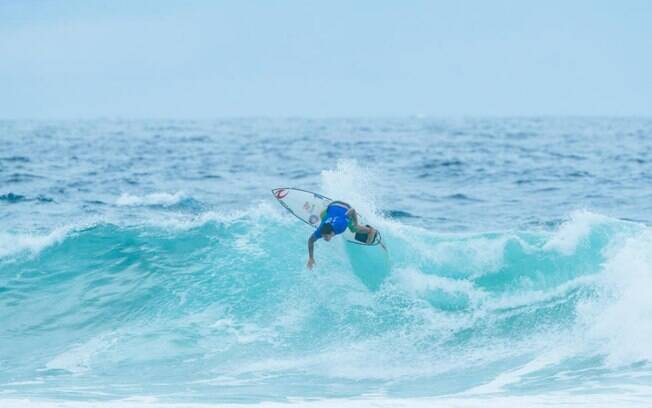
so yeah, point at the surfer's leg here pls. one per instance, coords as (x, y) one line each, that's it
(365, 229)
(365, 234)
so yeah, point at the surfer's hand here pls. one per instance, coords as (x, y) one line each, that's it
(311, 263)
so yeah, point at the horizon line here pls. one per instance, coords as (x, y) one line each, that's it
(325, 117)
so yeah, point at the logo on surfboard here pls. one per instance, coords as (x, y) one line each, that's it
(308, 207)
(280, 193)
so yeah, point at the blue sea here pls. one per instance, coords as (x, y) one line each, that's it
(146, 263)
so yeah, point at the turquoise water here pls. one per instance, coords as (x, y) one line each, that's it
(148, 261)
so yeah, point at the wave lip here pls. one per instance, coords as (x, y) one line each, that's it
(152, 199)
(12, 244)
(573, 231)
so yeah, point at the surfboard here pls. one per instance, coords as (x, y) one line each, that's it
(308, 206)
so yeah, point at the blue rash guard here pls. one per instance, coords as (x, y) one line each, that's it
(336, 216)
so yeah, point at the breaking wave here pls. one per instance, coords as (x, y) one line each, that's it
(224, 301)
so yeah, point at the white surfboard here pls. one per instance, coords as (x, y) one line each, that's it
(308, 206)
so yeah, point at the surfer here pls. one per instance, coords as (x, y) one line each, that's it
(335, 219)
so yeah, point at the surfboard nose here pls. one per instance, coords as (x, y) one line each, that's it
(280, 193)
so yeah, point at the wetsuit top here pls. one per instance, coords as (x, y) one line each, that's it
(336, 216)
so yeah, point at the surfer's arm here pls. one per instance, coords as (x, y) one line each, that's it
(311, 250)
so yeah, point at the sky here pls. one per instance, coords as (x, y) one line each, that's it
(211, 59)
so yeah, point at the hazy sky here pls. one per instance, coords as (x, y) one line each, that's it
(186, 59)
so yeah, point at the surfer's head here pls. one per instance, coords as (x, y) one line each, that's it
(327, 232)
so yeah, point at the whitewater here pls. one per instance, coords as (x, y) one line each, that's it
(145, 263)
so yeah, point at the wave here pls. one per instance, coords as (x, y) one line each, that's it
(152, 199)
(17, 198)
(12, 198)
(13, 244)
(226, 295)
(590, 275)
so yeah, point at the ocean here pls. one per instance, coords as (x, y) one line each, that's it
(145, 263)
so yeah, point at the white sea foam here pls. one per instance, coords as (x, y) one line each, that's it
(257, 213)
(420, 284)
(474, 255)
(164, 199)
(78, 358)
(618, 322)
(633, 397)
(498, 384)
(243, 333)
(11, 244)
(534, 298)
(573, 231)
(353, 184)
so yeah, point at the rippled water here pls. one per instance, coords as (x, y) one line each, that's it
(147, 260)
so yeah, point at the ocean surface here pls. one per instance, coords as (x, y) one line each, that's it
(146, 263)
